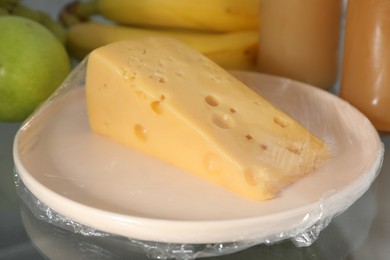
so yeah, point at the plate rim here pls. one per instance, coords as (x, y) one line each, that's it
(140, 224)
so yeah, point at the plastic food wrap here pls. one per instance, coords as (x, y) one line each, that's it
(159, 250)
(73, 178)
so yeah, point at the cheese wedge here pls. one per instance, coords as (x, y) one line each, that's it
(162, 98)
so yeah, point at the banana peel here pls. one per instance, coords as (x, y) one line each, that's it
(204, 15)
(231, 50)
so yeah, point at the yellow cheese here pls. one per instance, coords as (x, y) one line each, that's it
(162, 98)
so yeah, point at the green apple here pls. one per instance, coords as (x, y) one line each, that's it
(33, 63)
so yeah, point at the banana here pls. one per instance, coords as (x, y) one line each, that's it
(232, 50)
(206, 15)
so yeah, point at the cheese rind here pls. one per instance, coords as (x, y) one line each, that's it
(162, 98)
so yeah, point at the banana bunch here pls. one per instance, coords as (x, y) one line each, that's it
(233, 50)
(224, 30)
(15, 7)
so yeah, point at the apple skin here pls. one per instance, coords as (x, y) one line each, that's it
(33, 63)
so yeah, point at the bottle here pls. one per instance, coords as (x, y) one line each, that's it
(365, 76)
(299, 39)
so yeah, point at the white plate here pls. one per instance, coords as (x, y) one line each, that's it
(104, 185)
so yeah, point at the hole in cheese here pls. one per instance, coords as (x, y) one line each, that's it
(282, 123)
(294, 149)
(249, 137)
(212, 164)
(156, 107)
(222, 120)
(250, 177)
(180, 74)
(212, 101)
(141, 132)
(263, 147)
(159, 77)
